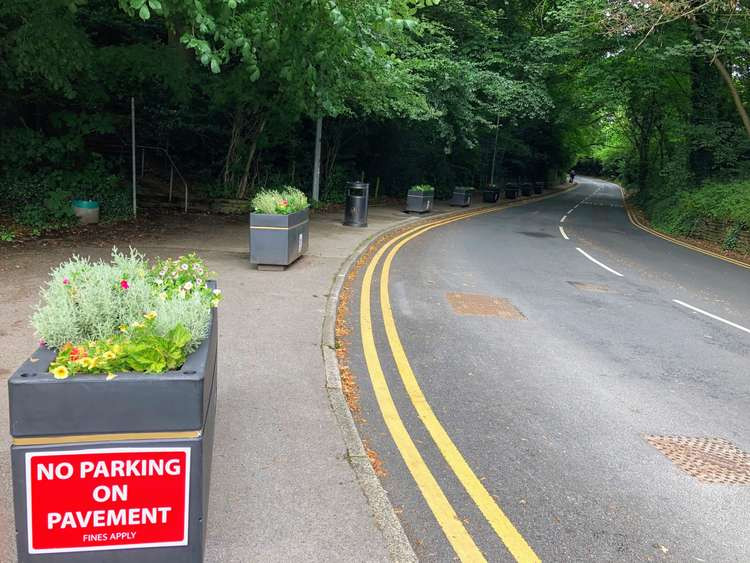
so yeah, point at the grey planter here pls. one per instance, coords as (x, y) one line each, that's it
(278, 240)
(133, 414)
(512, 191)
(538, 189)
(461, 196)
(490, 196)
(419, 201)
(526, 189)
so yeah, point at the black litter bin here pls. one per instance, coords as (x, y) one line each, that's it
(355, 214)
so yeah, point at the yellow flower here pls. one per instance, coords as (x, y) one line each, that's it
(111, 376)
(117, 349)
(151, 315)
(109, 355)
(60, 372)
(88, 363)
(138, 325)
(123, 328)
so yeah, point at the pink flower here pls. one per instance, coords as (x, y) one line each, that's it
(124, 284)
(66, 281)
(42, 343)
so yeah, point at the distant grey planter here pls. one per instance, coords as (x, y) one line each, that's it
(278, 240)
(538, 188)
(512, 191)
(490, 195)
(461, 196)
(419, 202)
(526, 189)
(163, 412)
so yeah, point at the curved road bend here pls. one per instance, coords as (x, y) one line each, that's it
(551, 412)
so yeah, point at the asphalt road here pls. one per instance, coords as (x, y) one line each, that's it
(551, 411)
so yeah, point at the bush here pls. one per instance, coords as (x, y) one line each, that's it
(422, 188)
(678, 213)
(285, 201)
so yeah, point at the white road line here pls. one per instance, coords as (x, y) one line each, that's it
(571, 211)
(595, 261)
(702, 312)
(563, 218)
(563, 233)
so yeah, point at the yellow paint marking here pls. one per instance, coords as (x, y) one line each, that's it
(492, 512)
(634, 220)
(452, 527)
(459, 538)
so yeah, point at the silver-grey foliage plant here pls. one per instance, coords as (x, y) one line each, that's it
(85, 300)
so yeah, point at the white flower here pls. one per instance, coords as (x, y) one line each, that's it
(162, 273)
(163, 296)
(188, 286)
(184, 266)
(217, 292)
(214, 302)
(157, 281)
(174, 274)
(200, 270)
(182, 294)
(196, 266)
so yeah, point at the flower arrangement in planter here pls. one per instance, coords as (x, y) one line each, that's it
(127, 366)
(279, 227)
(124, 316)
(420, 198)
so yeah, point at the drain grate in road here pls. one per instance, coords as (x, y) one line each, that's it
(483, 305)
(597, 287)
(710, 460)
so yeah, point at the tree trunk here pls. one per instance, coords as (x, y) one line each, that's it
(733, 91)
(257, 132)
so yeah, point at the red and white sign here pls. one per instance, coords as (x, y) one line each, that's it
(113, 498)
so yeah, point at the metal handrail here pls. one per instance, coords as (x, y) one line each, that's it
(173, 167)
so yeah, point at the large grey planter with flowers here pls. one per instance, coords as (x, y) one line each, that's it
(168, 417)
(419, 201)
(278, 240)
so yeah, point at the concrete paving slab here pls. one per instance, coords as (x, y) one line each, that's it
(282, 488)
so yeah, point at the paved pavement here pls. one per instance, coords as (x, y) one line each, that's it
(551, 411)
(282, 488)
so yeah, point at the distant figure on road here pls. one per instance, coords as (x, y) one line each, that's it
(572, 175)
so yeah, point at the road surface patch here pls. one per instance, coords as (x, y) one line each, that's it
(710, 460)
(595, 287)
(471, 304)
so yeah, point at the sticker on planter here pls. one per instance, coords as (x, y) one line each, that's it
(109, 498)
(299, 245)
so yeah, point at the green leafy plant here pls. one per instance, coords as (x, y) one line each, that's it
(138, 347)
(422, 188)
(285, 201)
(184, 277)
(7, 235)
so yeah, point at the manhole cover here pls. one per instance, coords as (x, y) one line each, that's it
(710, 460)
(599, 288)
(485, 305)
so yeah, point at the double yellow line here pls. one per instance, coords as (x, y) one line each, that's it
(636, 222)
(454, 530)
